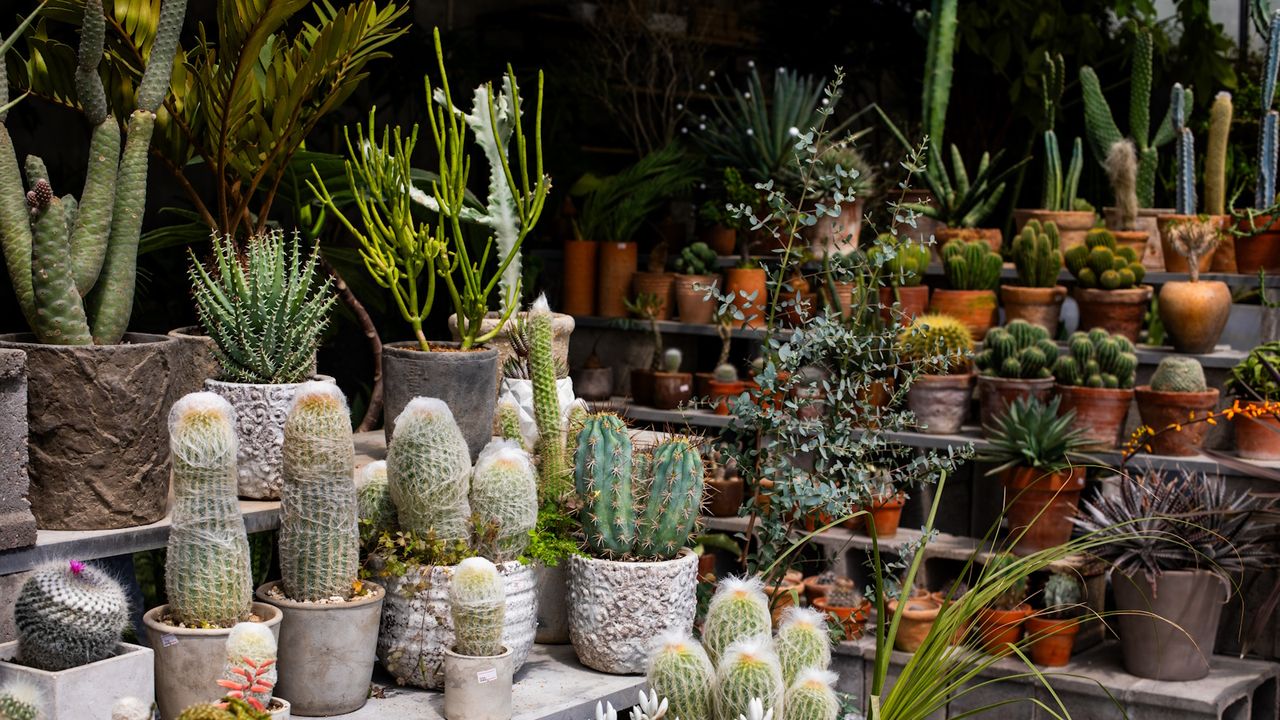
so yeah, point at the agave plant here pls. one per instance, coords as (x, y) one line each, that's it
(1032, 434)
(958, 200)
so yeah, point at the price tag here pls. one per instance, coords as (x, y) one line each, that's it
(684, 388)
(487, 676)
(169, 640)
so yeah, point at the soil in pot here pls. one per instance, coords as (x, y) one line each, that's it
(1051, 641)
(579, 297)
(977, 309)
(747, 286)
(1257, 438)
(723, 498)
(661, 284)
(997, 629)
(692, 304)
(1167, 631)
(672, 390)
(1159, 410)
(1038, 306)
(1174, 262)
(852, 619)
(941, 402)
(467, 381)
(910, 301)
(616, 266)
(1116, 311)
(1039, 506)
(917, 621)
(1194, 313)
(1100, 412)
(995, 394)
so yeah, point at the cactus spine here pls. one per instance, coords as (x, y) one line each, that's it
(673, 499)
(504, 494)
(681, 672)
(603, 477)
(739, 609)
(478, 603)
(749, 670)
(1185, 153)
(373, 496)
(507, 416)
(1122, 171)
(1215, 158)
(802, 642)
(940, 344)
(1037, 255)
(1097, 359)
(250, 673)
(971, 265)
(19, 702)
(553, 473)
(428, 469)
(812, 697)
(207, 575)
(1269, 127)
(68, 614)
(319, 533)
(1178, 374)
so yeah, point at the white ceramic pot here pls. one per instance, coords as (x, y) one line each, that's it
(87, 692)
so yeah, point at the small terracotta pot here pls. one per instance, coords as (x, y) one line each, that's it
(707, 567)
(1100, 412)
(1116, 311)
(1038, 306)
(815, 520)
(844, 293)
(642, 386)
(940, 402)
(854, 523)
(1039, 506)
(885, 514)
(977, 309)
(721, 238)
(1135, 240)
(910, 301)
(671, 390)
(1151, 256)
(1160, 409)
(1173, 262)
(1194, 313)
(917, 620)
(783, 596)
(750, 281)
(852, 619)
(580, 277)
(838, 235)
(661, 284)
(1073, 225)
(692, 305)
(1000, 628)
(814, 590)
(1257, 438)
(797, 304)
(721, 394)
(993, 237)
(1260, 248)
(1051, 641)
(723, 497)
(995, 394)
(617, 263)
(702, 384)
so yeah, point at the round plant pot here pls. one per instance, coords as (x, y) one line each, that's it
(720, 394)
(1116, 311)
(747, 286)
(198, 362)
(1174, 262)
(1039, 506)
(417, 624)
(279, 709)
(466, 381)
(977, 309)
(721, 238)
(659, 284)
(885, 515)
(815, 589)
(723, 498)
(260, 414)
(940, 402)
(995, 394)
(1194, 313)
(189, 661)
(783, 596)
(593, 383)
(1257, 438)
(998, 629)
(1135, 240)
(618, 608)
(838, 235)
(553, 608)
(692, 304)
(909, 301)
(917, 620)
(1167, 631)
(97, 430)
(1051, 641)
(616, 266)
(579, 297)
(562, 326)
(671, 390)
(1259, 248)
(326, 651)
(1151, 255)
(1159, 410)
(1073, 225)
(1038, 306)
(852, 619)
(702, 384)
(478, 688)
(642, 386)
(1100, 412)
(993, 237)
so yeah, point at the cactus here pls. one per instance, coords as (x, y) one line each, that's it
(727, 373)
(373, 497)
(1059, 192)
(671, 360)
(1215, 157)
(319, 532)
(428, 470)
(504, 494)
(1037, 255)
(1178, 374)
(939, 344)
(207, 575)
(250, 673)
(131, 708)
(553, 472)
(673, 500)
(844, 595)
(603, 477)
(1018, 350)
(739, 609)
(1097, 359)
(1122, 171)
(681, 672)
(696, 259)
(1184, 153)
(907, 266)
(477, 601)
(971, 265)
(802, 642)
(812, 697)
(748, 670)
(205, 711)
(1100, 263)
(1193, 240)
(68, 614)
(1061, 591)
(1269, 127)
(507, 420)
(20, 701)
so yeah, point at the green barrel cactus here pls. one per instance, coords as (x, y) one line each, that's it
(749, 670)
(504, 496)
(429, 470)
(673, 500)
(1099, 263)
(507, 419)
(939, 344)
(802, 642)
(971, 265)
(603, 480)
(681, 672)
(1179, 374)
(373, 497)
(727, 373)
(207, 575)
(739, 609)
(477, 602)
(1097, 359)
(1036, 255)
(319, 532)
(553, 472)
(68, 614)
(19, 701)
(1017, 350)
(812, 697)
(249, 672)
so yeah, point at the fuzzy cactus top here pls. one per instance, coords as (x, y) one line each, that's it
(1178, 374)
(429, 470)
(504, 498)
(477, 601)
(68, 614)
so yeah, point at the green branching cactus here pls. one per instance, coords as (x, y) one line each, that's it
(681, 672)
(319, 533)
(553, 472)
(373, 497)
(739, 609)
(1215, 158)
(1177, 373)
(802, 642)
(749, 669)
(19, 701)
(429, 470)
(207, 574)
(940, 344)
(1097, 359)
(1018, 350)
(478, 603)
(1184, 153)
(504, 495)
(68, 614)
(1037, 254)
(909, 262)
(1100, 263)
(1269, 128)
(971, 265)
(673, 500)
(812, 697)
(603, 478)
(249, 672)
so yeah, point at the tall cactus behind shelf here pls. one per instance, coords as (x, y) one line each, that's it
(1185, 152)
(1269, 127)
(1059, 192)
(1215, 158)
(939, 53)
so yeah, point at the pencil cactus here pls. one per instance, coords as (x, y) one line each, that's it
(478, 603)
(749, 670)
(681, 672)
(812, 697)
(504, 495)
(603, 479)
(739, 609)
(1215, 158)
(802, 642)
(1036, 254)
(428, 471)
(1097, 359)
(1269, 127)
(1185, 153)
(672, 501)
(250, 672)
(1100, 263)
(553, 471)
(1178, 374)
(1018, 350)
(971, 265)
(68, 614)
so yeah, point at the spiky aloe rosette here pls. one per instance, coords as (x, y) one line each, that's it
(738, 609)
(504, 496)
(250, 671)
(429, 470)
(477, 601)
(812, 696)
(681, 672)
(802, 642)
(749, 670)
(68, 614)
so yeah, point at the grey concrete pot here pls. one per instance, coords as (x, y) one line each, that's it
(941, 402)
(98, 433)
(189, 661)
(466, 381)
(326, 652)
(477, 688)
(1167, 632)
(553, 605)
(86, 692)
(562, 326)
(17, 524)
(198, 361)
(618, 609)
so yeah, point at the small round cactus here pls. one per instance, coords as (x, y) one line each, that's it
(373, 497)
(504, 493)
(507, 420)
(69, 614)
(802, 642)
(250, 670)
(739, 609)
(131, 708)
(428, 469)
(1178, 374)
(726, 373)
(680, 671)
(940, 344)
(748, 670)
(477, 600)
(19, 701)
(671, 360)
(811, 697)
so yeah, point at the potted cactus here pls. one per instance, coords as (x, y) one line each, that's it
(478, 669)
(999, 626)
(251, 671)
(646, 306)
(671, 388)
(1194, 311)
(1172, 404)
(1184, 191)
(940, 395)
(1257, 237)
(1015, 362)
(844, 604)
(639, 578)
(1256, 385)
(1051, 632)
(1122, 172)
(1109, 289)
(905, 292)
(725, 385)
(972, 269)
(1095, 381)
(1037, 297)
(695, 275)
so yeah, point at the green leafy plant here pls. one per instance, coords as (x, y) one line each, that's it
(971, 265)
(1032, 434)
(616, 206)
(1100, 263)
(843, 172)
(904, 261)
(734, 192)
(961, 202)
(1097, 359)
(1257, 377)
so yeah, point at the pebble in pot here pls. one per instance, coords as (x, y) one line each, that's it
(478, 670)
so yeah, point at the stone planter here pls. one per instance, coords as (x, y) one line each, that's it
(553, 603)
(1167, 631)
(417, 625)
(466, 381)
(617, 609)
(995, 394)
(477, 688)
(1038, 306)
(1160, 409)
(326, 651)
(1100, 412)
(562, 326)
(198, 360)
(86, 692)
(940, 402)
(17, 524)
(98, 434)
(188, 661)
(260, 414)
(1116, 311)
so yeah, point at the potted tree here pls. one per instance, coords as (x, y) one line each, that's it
(671, 388)
(905, 292)
(940, 395)
(1255, 383)
(1051, 632)
(1109, 289)
(999, 625)
(478, 669)
(972, 269)
(1015, 362)
(695, 273)
(1095, 381)
(1174, 406)
(962, 205)
(1195, 311)
(1037, 297)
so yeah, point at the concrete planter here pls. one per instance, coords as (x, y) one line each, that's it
(562, 326)
(86, 692)
(477, 688)
(618, 609)
(417, 625)
(280, 709)
(189, 661)
(466, 381)
(1167, 629)
(553, 606)
(198, 361)
(941, 402)
(326, 652)
(17, 524)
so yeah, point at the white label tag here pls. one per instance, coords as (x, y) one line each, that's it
(487, 676)
(168, 640)
(684, 388)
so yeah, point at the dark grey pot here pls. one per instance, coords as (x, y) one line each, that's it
(1167, 632)
(466, 381)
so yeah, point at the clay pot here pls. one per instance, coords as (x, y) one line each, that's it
(843, 293)
(1050, 641)
(722, 393)
(617, 263)
(1151, 256)
(852, 619)
(1194, 313)
(593, 383)
(815, 520)
(1073, 225)
(975, 308)
(924, 227)
(1167, 631)
(1160, 409)
(917, 620)
(784, 596)
(721, 238)
(910, 301)
(723, 497)
(995, 394)
(1116, 311)
(661, 284)
(815, 590)
(707, 567)
(693, 305)
(580, 262)
(1261, 247)
(750, 281)
(1135, 240)
(993, 237)
(642, 386)
(1039, 506)
(1038, 306)
(1173, 262)
(885, 514)
(671, 390)
(1100, 412)
(796, 303)
(1257, 438)
(940, 402)
(838, 235)
(997, 629)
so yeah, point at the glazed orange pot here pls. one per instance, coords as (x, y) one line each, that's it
(617, 263)
(996, 394)
(909, 302)
(1038, 306)
(721, 238)
(722, 498)
(1073, 225)
(661, 284)
(1000, 628)
(750, 281)
(885, 515)
(1100, 412)
(721, 393)
(1039, 506)
(1051, 641)
(917, 620)
(1116, 311)
(975, 308)
(992, 236)
(580, 277)
(1260, 247)
(1160, 409)
(852, 619)
(692, 304)
(1194, 313)
(1173, 262)
(1257, 438)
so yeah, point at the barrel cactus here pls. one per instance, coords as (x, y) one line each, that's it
(1097, 359)
(1036, 255)
(726, 373)
(909, 262)
(812, 697)
(428, 471)
(939, 344)
(477, 601)
(504, 497)
(1018, 350)
(68, 614)
(749, 670)
(250, 673)
(602, 477)
(19, 701)
(207, 575)
(373, 497)
(681, 672)
(739, 609)
(971, 265)
(1179, 374)
(1100, 263)
(802, 642)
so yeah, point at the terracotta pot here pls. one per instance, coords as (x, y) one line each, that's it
(721, 238)
(783, 596)
(796, 303)
(1116, 311)
(1257, 438)
(910, 301)
(1152, 257)
(854, 523)
(707, 567)
(1073, 225)
(1160, 409)
(997, 629)
(1135, 240)
(1051, 641)
(1039, 506)
(671, 390)
(885, 515)
(996, 393)
(940, 402)
(642, 386)
(661, 284)
(702, 384)
(917, 620)
(838, 235)
(693, 305)
(580, 262)
(1261, 247)
(925, 227)
(852, 619)
(1194, 313)
(722, 393)
(815, 520)
(844, 293)
(815, 590)
(1173, 262)
(723, 497)
(1167, 632)
(1038, 306)
(943, 235)
(977, 309)
(617, 263)
(751, 282)
(1100, 412)
(593, 383)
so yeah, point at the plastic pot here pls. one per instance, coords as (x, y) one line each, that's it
(467, 381)
(1257, 438)
(478, 688)
(977, 309)
(660, 284)
(617, 263)
(671, 390)
(723, 497)
(1051, 641)
(1039, 506)
(910, 301)
(1194, 313)
(1038, 306)
(579, 297)
(1160, 409)
(1116, 311)
(941, 402)
(1167, 628)
(1100, 412)
(747, 286)
(692, 304)
(995, 394)
(917, 620)
(997, 629)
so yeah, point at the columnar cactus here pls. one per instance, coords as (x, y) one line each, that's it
(1269, 127)
(1059, 191)
(478, 604)
(207, 576)
(673, 500)
(1215, 158)
(504, 495)
(603, 477)
(1097, 359)
(1018, 350)
(1185, 153)
(971, 265)
(1122, 170)
(1036, 254)
(671, 360)
(507, 419)
(250, 672)
(802, 642)
(19, 702)
(940, 344)
(1100, 263)
(68, 614)
(373, 496)
(748, 670)
(553, 472)
(812, 697)
(428, 471)
(681, 672)
(739, 609)
(1177, 373)
(319, 533)
(909, 262)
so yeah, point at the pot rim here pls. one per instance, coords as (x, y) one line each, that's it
(1169, 396)
(965, 379)
(1031, 383)
(1113, 394)
(122, 650)
(375, 595)
(317, 377)
(449, 652)
(685, 555)
(963, 292)
(152, 619)
(1057, 293)
(821, 600)
(409, 348)
(930, 613)
(1023, 611)
(1072, 624)
(1066, 480)
(25, 340)
(1124, 296)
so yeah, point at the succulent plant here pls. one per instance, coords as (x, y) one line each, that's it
(1018, 350)
(738, 609)
(909, 262)
(373, 497)
(1097, 359)
(19, 702)
(681, 672)
(844, 594)
(939, 344)
(1184, 151)
(671, 360)
(429, 471)
(1036, 254)
(748, 670)
(971, 265)
(1257, 376)
(1061, 594)
(250, 672)
(696, 259)
(1269, 127)
(1177, 373)
(1215, 156)
(504, 495)
(812, 696)
(727, 373)
(477, 601)
(1193, 240)
(68, 614)
(507, 419)
(553, 470)
(802, 642)
(1032, 434)
(1099, 263)
(1059, 192)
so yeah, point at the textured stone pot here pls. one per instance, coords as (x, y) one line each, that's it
(466, 381)
(553, 604)
(1194, 313)
(977, 309)
(1159, 410)
(417, 625)
(1175, 644)
(1257, 438)
(618, 609)
(477, 688)
(940, 402)
(17, 524)
(326, 651)
(692, 304)
(198, 362)
(1100, 412)
(188, 661)
(98, 430)
(86, 692)
(1039, 506)
(996, 393)
(562, 326)
(1116, 311)
(260, 414)
(1038, 306)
